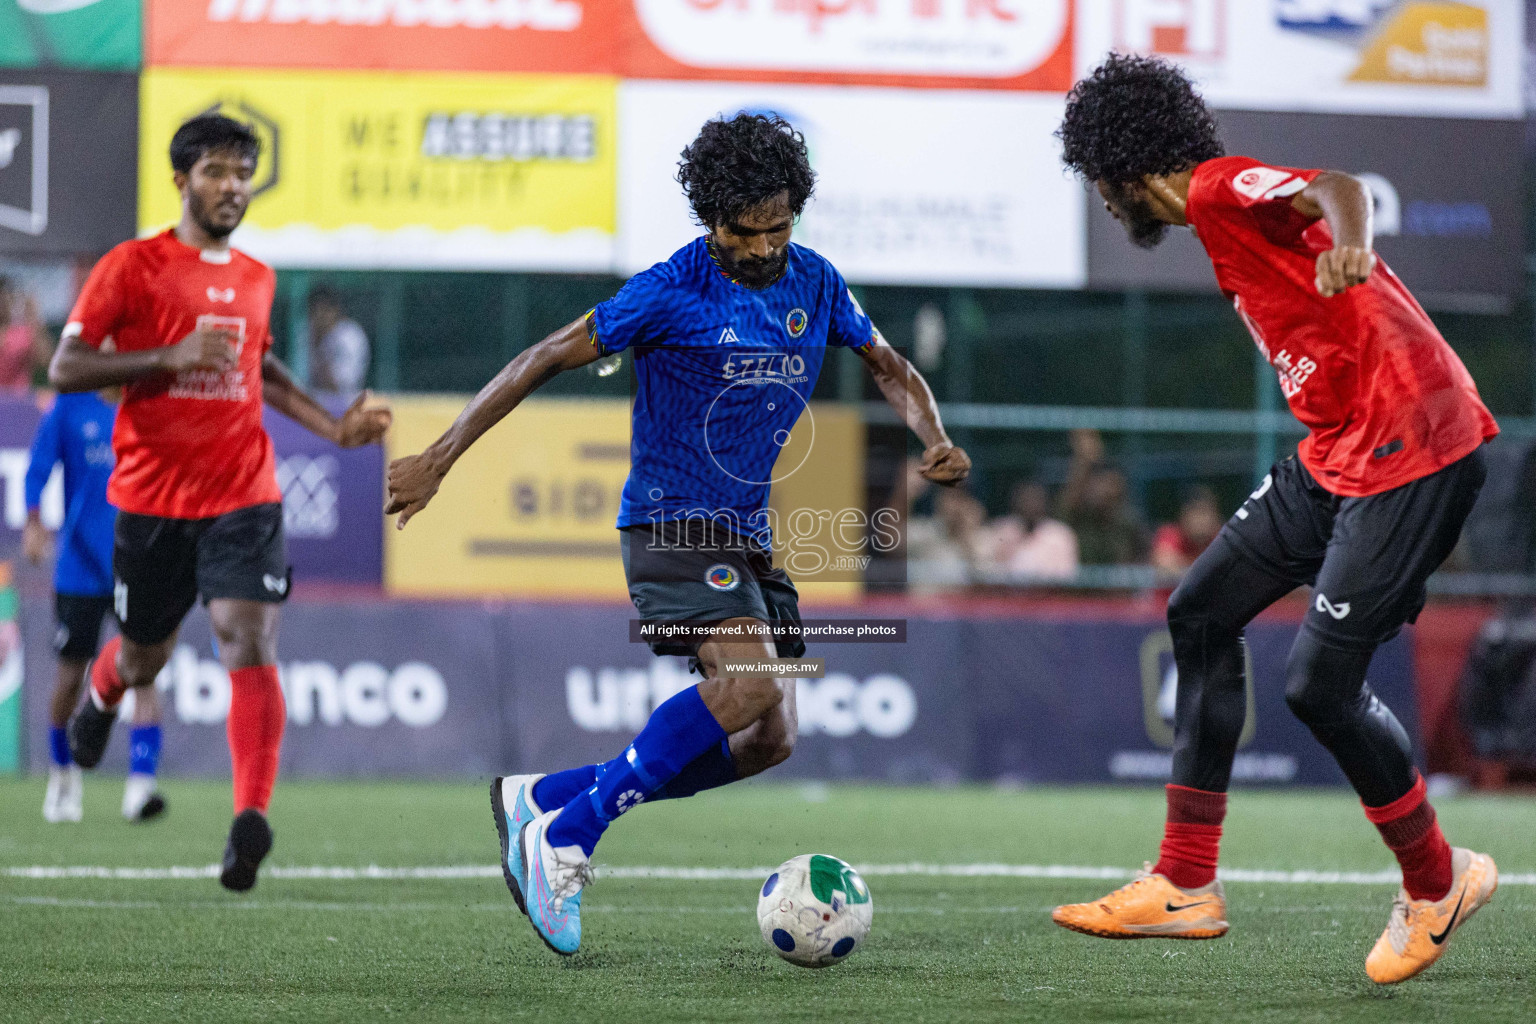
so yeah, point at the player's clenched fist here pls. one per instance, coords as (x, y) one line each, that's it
(945, 464)
(1343, 267)
(207, 348)
(412, 482)
(363, 424)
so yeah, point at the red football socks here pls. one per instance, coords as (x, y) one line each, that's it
(256, 717)
(1192, 837)
(105, 682)
(1408, 827)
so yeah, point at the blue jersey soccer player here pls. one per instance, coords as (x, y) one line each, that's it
(77, 433)
(727, 337)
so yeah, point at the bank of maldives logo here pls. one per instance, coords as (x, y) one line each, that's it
(722, 577)
(24, 158)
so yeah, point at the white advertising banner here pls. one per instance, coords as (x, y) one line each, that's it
(1001, 41)
(1421, 57)
(914, 187)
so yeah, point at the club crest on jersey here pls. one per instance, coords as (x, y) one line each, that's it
(796, 322)
(1267, 183)
(722, 577)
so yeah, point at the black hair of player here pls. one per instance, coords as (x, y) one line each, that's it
(1135, 116)
(209, 133)
(740, 163)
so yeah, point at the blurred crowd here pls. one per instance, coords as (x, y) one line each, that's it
(1090, 520)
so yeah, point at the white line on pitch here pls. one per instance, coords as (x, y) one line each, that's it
(454, 872)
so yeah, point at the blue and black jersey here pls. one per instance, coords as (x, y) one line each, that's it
(723, 374)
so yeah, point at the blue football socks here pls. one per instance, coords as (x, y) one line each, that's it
(144, 749)
(678, 731)
(558, 788)
(58, 746)
(710, 770)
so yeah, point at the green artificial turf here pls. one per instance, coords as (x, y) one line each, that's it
(943, 948)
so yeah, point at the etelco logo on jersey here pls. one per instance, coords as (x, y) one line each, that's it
(1338, 611)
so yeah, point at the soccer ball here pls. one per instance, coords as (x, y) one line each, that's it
(814, 910)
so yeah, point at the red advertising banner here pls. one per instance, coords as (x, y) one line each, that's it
(574, 36)
(971, 44)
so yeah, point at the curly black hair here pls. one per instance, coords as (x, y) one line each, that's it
(742, 162)
(1136, 116)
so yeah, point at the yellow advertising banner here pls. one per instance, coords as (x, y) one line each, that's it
(420, 170)
(529, 511)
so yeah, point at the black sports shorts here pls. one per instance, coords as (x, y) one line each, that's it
(1366, 559)
(79, 618)
(695, 570)
(162, 565)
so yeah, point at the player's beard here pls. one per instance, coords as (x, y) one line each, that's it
(754, 272)
(1141, 224)
(203, 217)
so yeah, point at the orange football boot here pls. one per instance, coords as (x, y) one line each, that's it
(1419, 930)
(1150, 907)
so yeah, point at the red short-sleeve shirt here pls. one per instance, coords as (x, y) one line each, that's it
(188, 445)
(1384, 397)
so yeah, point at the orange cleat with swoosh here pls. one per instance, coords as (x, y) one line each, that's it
(1419, 930)
(1150, 907)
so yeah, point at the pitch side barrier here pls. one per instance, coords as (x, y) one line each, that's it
(1063, 692)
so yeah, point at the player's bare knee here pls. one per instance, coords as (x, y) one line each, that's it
(755, 696)
(759, 748)
(245, 640)
(137, 665)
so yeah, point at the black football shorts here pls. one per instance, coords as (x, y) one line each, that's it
(695, 570)
(161, 566)
(79, 630)
(1366, 559)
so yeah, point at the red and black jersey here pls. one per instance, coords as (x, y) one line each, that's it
(1384, 397)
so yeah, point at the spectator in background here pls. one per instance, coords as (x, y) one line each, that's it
(1028, 541)
(338, 347)
(946, 548)
(1177, 545)
(23, 341)
(1096, 504)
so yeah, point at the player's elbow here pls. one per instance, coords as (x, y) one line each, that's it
(64, 371)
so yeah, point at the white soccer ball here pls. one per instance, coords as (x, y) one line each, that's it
(814, 910)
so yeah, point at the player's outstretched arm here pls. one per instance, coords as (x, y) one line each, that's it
(361, 424)
(414, 479)
(1345, 203)
(908, 393)
(77, 366)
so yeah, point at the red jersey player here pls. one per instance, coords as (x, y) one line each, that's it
(199, 507)
(1371, 504)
